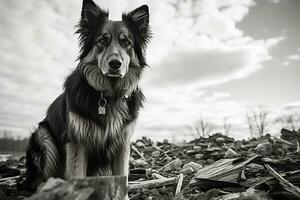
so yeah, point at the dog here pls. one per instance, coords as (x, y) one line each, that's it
(87, 129)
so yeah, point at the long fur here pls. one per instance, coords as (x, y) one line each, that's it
(73, 139)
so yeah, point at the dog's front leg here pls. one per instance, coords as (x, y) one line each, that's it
(120, 163)
(76, 165)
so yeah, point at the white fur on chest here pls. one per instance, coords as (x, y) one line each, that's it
(89, 133)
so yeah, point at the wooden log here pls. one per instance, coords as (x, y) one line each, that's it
(133, 186)
(88, 188)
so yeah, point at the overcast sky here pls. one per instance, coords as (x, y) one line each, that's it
(216, 58)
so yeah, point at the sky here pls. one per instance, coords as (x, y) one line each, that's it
(214, 59)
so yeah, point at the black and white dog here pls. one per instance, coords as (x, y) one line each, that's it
(87, 129)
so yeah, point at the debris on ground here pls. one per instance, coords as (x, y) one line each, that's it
(213, 168)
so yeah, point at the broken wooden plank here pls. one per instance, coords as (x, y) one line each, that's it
(290, 135)
(285, 183)
(133, 186)
(282, 141)
(138, 152)
(157, 176)
(224, 170)
(179, 184)
(138, 173)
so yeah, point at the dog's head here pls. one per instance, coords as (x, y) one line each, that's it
(114, 48)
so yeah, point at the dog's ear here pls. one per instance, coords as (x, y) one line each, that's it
(86, 6)
(138, 20)
(90, 11)
(92, 17)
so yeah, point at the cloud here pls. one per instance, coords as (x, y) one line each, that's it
(38, 51)
(274, 1)
(290, 59)
(291, 105)
(286, 63)
(173, 111)
(212, 65)
(207, 47)
(217, 95)
(293, 57)
(236, 12)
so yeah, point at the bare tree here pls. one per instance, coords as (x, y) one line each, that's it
(257, 121)
(290, 121)
(260, 119)
(250, 124)
(5, 133)
(226, 125)
(203, 127)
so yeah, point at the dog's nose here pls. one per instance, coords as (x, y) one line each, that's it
(114, 64)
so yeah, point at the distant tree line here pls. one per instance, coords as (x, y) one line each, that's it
(258, 121)
(10, 144)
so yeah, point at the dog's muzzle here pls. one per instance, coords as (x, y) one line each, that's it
(114, 65)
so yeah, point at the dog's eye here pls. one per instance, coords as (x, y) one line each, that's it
(103, 41)
(126, 44)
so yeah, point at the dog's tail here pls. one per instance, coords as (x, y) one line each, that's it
(42, 157)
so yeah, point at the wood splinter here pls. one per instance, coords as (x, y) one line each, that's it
(179, 183)
(285, 183)
(138, 152)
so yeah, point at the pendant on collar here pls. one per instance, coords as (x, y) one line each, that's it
(102, 105)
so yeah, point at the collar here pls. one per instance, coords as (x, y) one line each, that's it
(120, 95)
(105, 100)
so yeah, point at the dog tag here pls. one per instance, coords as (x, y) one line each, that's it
(102, 106)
